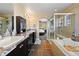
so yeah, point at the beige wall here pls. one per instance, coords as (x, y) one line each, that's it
(33, 17)
(19, 10)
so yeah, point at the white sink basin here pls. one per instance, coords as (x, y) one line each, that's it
(9, 41)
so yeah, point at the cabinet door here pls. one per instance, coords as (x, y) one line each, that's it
(18, 51)
(21, 48)
(24, 48)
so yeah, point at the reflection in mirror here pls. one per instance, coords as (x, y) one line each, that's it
(6, 19)
(63, 23)
(10, 25)
(64, 27)
(6, 26)
(3, 25)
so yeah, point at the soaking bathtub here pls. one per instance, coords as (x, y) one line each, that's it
(61, 42)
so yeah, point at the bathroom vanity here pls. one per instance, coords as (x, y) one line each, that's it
(18, 42)
(24, 47)
(21, 49)
(18, 45)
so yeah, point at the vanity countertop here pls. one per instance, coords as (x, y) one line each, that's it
(10, 42)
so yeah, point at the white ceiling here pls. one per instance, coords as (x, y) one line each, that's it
(6, 8)
(38, 8)
(46, 8)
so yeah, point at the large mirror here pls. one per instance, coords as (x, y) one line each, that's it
(3, 25)
(6, 25)
(6, 19)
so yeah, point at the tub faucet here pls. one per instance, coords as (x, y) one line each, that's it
(73, 36)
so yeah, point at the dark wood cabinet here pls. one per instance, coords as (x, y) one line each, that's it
(23, 49)
(20, 50)
(20, 24)
(31, 41)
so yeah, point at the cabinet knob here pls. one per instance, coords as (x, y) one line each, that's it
(21, 46)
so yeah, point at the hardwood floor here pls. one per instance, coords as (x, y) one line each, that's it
(43, 50)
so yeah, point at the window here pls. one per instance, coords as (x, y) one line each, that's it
(67, 20)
